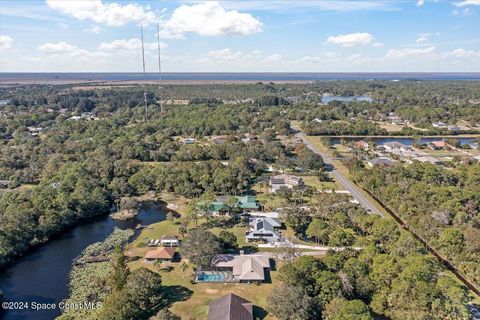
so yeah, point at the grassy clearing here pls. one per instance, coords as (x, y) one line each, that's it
(321, 185)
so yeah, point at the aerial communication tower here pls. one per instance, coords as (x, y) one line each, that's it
(144, 77)
(162, 110)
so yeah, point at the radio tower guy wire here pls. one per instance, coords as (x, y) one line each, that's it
(162, 111)
(144, 76)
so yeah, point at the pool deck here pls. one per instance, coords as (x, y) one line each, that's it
(226, 276)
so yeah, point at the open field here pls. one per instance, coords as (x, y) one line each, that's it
(321, 185)
(390, 127)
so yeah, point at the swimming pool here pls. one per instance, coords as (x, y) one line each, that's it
(212, 276)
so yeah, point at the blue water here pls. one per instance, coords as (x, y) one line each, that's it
(42, 275)
(327, 99)
(211, 276)
(249, 76)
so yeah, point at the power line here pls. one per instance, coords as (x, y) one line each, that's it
(162, 111)
(144, 75)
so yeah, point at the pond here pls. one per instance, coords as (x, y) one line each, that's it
(41, 275)
(328, 98)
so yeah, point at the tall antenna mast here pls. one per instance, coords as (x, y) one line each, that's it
(162, 111)
(144, 76)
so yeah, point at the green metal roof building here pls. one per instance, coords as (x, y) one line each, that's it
(247, 202)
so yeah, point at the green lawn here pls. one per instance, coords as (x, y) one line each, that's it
(321, 185)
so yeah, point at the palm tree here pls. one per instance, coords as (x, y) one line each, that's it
(157, 264)
(183, 267)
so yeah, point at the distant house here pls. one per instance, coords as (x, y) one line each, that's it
(454, 128)
(439, 125)
(230, 307)
(361, 145)
(437, 145)
(217, 207)
(381, 161)
(163, 254)
(428, 159)
(396, 147)
(189, 141)
(396, 120)
(35, 131)
(285, 180)
(245, 268)
(169, 241)
(177, 102)
(247, 137)
(220, 139)
(85, 115)
(263, 229)
(248, 203)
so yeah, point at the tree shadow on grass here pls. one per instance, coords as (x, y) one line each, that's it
(176, 293)
(248, 249)
(259, 313)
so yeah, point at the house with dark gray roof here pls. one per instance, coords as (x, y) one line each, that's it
(230, 307)
(380, 161)
(285, 180)
(264, 229)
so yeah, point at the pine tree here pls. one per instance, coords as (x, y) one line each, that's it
(120, 269)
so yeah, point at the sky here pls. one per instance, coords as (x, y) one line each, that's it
(240, 36)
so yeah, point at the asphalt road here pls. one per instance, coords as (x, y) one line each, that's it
(345, 182)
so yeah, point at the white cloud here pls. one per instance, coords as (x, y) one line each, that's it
(117, 49)
(421, 39)
(112, 14)
(209, 19)
(6, 42)
(133, 44)
(462, 53)
(225, 54)
(467, 3)
(352, 39)
(93, 29)
(409, 53)
(57, 48)
(378, 44)
(273, 58)
(464, 12)
(420, 3)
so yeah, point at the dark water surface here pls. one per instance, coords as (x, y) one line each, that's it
(247, 76)
(42, 275)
